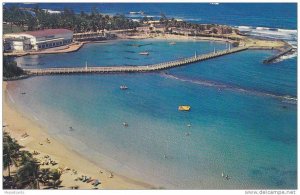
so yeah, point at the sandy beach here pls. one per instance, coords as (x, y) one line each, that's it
(72, 164)
(252, 43)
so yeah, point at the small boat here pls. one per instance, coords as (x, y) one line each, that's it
(184, 108)
(189, 125)
(144, 53)
(172, 43)
(123, 87)
(23, 93)
(125, 124)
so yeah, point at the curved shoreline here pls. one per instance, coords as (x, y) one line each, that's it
(252, 43)
(12, 82)
(16, 124)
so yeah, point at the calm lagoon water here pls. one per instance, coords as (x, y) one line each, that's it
(118, 53)
(241, 122)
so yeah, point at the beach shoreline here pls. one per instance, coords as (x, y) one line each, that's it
(16, 124)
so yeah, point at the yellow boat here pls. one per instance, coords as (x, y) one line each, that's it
(184, 108)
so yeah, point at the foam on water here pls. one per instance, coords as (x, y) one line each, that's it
(288, 35)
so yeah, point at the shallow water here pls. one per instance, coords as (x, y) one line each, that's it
(249, 136)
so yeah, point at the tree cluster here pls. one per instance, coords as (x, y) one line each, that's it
(10, 68)
(36, 19)
(216, 29)
(28, 174)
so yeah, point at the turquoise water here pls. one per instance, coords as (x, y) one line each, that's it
(242, 124)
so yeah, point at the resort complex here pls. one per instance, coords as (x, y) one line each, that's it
(37, 40)
(149, 96)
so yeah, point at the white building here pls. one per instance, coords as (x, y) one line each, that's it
(36, 40)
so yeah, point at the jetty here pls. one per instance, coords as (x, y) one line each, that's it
(132, 69)
(278, 55)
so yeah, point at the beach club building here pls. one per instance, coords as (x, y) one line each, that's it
(37, 40)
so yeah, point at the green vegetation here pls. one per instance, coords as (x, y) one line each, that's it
(36, 18)
(10, 68)
(7, 28)
(214, 28)
(27, 173)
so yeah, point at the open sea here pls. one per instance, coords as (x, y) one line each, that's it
(243, 113)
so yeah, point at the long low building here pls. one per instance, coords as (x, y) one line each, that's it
(36, 40)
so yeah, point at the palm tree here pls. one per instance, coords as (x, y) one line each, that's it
(44, 176)
(54, 179)
(10, 152)
(24, 156)
(27, 175)
(67, 19)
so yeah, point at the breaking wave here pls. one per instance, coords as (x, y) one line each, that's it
(288, 35)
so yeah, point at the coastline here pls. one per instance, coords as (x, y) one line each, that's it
(73, 117)
(17, 124)
(252, 43)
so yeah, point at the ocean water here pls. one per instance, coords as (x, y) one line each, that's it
(243, 113)
(273, 15)
(238, 129)
(268, 20)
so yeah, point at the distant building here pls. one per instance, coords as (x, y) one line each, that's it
(158, 27)
(145, 29)
(207, 31)
(151, 28)
(94, 36)
(36, 40)
(152, 22)
(89, 36)
(180, 31)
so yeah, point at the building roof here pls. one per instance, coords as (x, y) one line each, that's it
(47, 32)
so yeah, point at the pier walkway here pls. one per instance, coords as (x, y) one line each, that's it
(131, 69)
